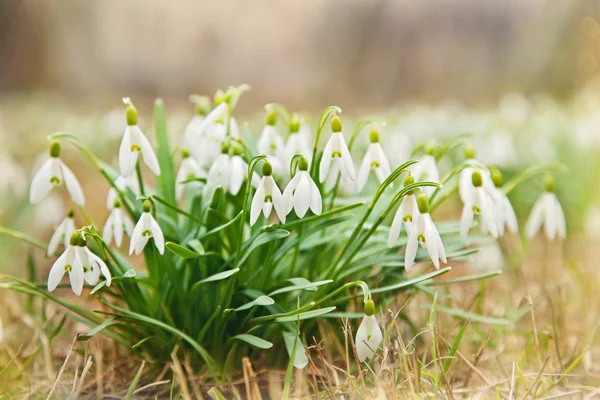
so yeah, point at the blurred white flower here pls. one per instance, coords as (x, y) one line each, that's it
(62, 233)
(13, 179)
(271, 144)
(336, 156)
(48, 213)
(189, 169)
(228, 171)
(135, 142)
(407, 212)
(424, 232)
(53, 173)
(477, 201)
(592, 221)
(70, 261)
(547, 211)
(298, 142)
(374, 160)
(302, 193)
(117, 223)
(426, 170)
(122, 184)
(498, 148)
(146, 228)
(266, 197)
(368, 335)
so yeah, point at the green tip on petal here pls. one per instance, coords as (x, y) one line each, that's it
(476, 179)
(303, 164)
(336, 124)
(369, 308)
(219, 97)
(294, 124)
(54, 149)
(549, 183)
(374, 136)
(185, 153)
(74, 239)
(267, 169)
(423, 204)
(497, 177)
(147, 206)
(116, 204)
(469, 152)
(132, 115)
(70, 213)
(271, 117)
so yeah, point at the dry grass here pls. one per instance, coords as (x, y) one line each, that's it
(550, 352)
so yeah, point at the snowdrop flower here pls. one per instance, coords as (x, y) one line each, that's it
(13, 179)
(425, 233)
(80, 263)
(234, 129)
(189, 169)
(267, 196)
(62, 233)
(426, 170)
(336, 154)
(478, 201)
(228, 171)
(302, 193)
(52, 173)
(407, 212)
(297, 142)
(193, 129)
(135, 142)
(368, 336)
(547, 211)
(204, 137)
(375, 160)
(122, 184)
(271, 144)
(505, 214)
(465, 187)
(146, 228)
(116, 224)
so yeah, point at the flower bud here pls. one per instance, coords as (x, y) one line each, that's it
(74, 239)
(549, 183)
(225, 147)
(476, 179)
(369, 308)
(82, 241)
(336, 124)
(147, 206)
(236, 149)
(294, 124)
(185, 153)
(430, 148)
(497, 178)
(219, 97)
(70, 213)
(131, 114)
(271, 117)
(54, 149)
(423, 203)
(116, 204)
(409, 180)
(374, 136)
(303, 164)
(469, 152)
(267, 169)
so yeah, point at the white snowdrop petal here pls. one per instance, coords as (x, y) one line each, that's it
(148, 154)
(431, 240)
(257, 203)
(302, 197)
(137, 236)
(157, 235)
(56, 238)
(316, 201)
(279, 204)
(466, 220)
(238, 174)
(536, 217)
(127, 156)
(396, 227)
(58, 270)
(288, 193)
(363, 172)
(72, 184)
(411, 247)
(561, 223)
(117, 226)
(326, 160)
(77, 278)
(368, 338)
(40, 184)
(107, 232)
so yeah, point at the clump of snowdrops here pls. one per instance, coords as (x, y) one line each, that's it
(250, 240)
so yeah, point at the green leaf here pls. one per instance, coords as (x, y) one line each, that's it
(107, 322)
(141, 342)
(412, 281)
(220, 276)
(295, 348)
(305, 315)
(301, 284)
(464, 278)
(166, 179)
(181, 251)
(454, 348)
(259, 301)
(130, 273)
(196, 246)
(473, 317)
(254, 341)
(134, 383)
(261, 239)
(221, 227)
(215, 394)
(326, 215)
(97, 287)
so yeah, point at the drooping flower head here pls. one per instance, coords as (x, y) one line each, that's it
(271, 143)
(547, 211)
(53, 173)
(297, 142)
(368, 336)
(146, 228)
(478, 201)
(374, 160)
(135, 142)
(122, 184)
(267, 196)
(189, 169)
(229, 170)
(505, 214)
(424, 233)
(194, 129)
(465, 186)
(336, 156)
(406, 213)
(62, 233)
(426, 169)
(302, 192)
(117, 224)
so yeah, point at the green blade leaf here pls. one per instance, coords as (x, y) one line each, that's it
(306, 315)
(220, 276)
(254, 341)
(301, 284)
(134, 383)
(181, 251)
(411, 282)
(107, 322)
(261, 239)
(259, 301)
(295, 348)
(166, 179)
